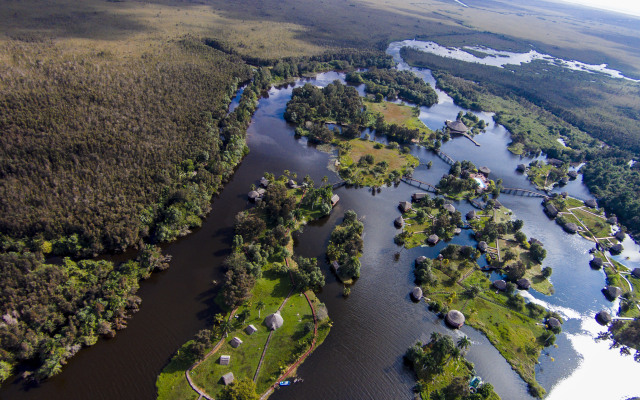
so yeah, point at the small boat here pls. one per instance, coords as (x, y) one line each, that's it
(285, 383)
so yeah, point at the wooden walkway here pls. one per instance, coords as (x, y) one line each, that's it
(419, 184)
(470, 138)
(523, 192)
(445, 157)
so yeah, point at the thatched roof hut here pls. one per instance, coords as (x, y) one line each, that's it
(612, 220)
(536, 241)
(433, 239)
(551, 210)
(596, 263)
(555, 162)
(612, 292)
(591, 203)
(404, 206)
(616, 249)
(454, 319)
(420, 260)
(620, 236)
(450, 208)
(500, 284)
(334, 200)
(264, 182)
(235, 342)
(524, 283)
(399, 222)
(484, 171)
(274, 321)
(471, 215)
(521, 168)
(418, 196)
(224, 360)
(553, 323)
(603, 317)
(227, 378)
(571, 228)
(416, 294)
(292, 184)
(335, 266)
(251, 329)
(253, 196)
(636, 272)
(564, 180)
(457, 231)
(572, 175)
(483, 246)
(456, 126)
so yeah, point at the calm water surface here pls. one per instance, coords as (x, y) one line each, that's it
(362, 357)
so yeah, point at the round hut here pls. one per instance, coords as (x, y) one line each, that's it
(454, 319)
(450, 208)
(416, 294)
(616, 249)
(274, 321)
(612, 220)
(553, 323)
(457, 127)
(253, 195)
(572, 175)
(471, 215)
(457, 231)
(612, 292)
(571, 228)
(591, 203)
(399, 222)
(636, 272)
(483, 246)
(524, 283)
(500, 284)
(420, 260)
(619, 236)
(603, 318)
(521, 168)
(433, 239)
(596, 263)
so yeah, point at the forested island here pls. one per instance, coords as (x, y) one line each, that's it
(272, 313)
(345, 248)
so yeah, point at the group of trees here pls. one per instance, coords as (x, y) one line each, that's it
(395, 132)
(625, 335)
(429, 362)
(393, 84)
(335, 102)
(345, 246)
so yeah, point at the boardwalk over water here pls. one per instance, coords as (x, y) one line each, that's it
(445, 157)
(523, 192)
(419, 184)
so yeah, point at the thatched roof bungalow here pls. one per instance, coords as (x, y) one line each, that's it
(484, 171)
(224, 360)
(603, 317)
(483, 246)
(571, 228)
(596, 263)
(450, 208)
(612, 220)
(274, 321)
(523, 283)
(454, 319)
(471, 215)
(619, 236)
(418, 196)
(555, 162)
(420, 260)
(636, 272)
(457, 231)
(521, 168)
(591, 203)
(553, 323)
(416, 294)
(227, 378)
(572, 175)
(335, 266)
(433, 239)
(253, 196)
(500, 284)
(616, 249)
(612, 292)
(235, 342)
(404, 206)
(264, 182)
(251, 329)
(399, 222)
(551, 210)
(292, 184)
(456, 127)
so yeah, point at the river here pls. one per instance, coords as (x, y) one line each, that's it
(362, 356)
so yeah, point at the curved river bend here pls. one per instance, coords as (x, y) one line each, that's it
(362, 356)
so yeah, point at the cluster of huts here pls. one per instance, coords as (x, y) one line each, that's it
(603, 317)
(256, 196)
(272, 322)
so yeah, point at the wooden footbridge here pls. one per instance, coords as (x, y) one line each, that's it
(522, 192)
(419, 184)
(445, 157)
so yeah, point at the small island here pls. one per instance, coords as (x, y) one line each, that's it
(444, 373)
(518, 329)
(345, 248)
(273, 319)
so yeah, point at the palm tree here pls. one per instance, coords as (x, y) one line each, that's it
(435, 336)
(226, 327)
(464, 343)
(260, 306)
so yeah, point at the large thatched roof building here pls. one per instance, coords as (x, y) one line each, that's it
(500, 284)
(484, 171)
(274, 321)
(456, 127)
(454, 319)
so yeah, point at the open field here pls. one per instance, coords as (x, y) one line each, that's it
(402, 115)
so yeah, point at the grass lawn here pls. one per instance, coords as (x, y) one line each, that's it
(171, 383)
(400, 115)
(597, 225)
(534, 269)
(538, 175)
(373, 175)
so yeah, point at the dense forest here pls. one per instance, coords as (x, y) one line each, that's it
(394, 84)
(345, 246)
(335, 102)
(560, 100)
